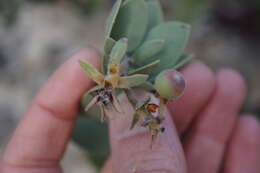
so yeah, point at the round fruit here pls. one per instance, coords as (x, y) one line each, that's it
(170, 84)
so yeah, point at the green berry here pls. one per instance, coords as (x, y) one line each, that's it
(170, 84)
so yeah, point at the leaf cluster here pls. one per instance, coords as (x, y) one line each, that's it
(152, 42)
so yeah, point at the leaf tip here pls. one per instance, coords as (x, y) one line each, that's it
(81, 62)
(124, 40)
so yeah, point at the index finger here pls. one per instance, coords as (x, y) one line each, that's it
(41, 136)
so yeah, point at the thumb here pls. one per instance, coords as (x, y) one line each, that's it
(131, 151)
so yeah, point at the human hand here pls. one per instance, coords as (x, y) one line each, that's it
(207, 113)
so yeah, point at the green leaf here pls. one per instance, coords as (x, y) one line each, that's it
(147, 86)
(119, 50)
(161, 111)
(132, 81)
(92, 135)
(184, 59)
(87, 97)
(94, 111)
(147, 50)
(92, 72)
(146, 69)
(155, 14)
(93, 89)
(104, 61)
(109, 44)
(115, 103)
(175, 35)
(131, 23)
(136, 117)
(91, 103)
(140, 111)
(112, 17)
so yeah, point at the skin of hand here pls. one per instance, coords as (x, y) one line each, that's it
(206, 118)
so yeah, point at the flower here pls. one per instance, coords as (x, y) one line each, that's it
(152, 114)
(104, 93)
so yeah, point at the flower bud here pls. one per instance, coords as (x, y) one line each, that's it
(169, 84)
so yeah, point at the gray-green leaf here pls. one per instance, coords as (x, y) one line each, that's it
(137, 115)
(92, 72)
(175, 35)
(109, 44)
(119, 50)
(132, 81)
(155, 14)
(147, 50)
(93, 89)
(131, 23)
(147, 86)
(184, 59)
(145, 69)
(112, 17)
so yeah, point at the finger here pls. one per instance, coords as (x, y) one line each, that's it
(205, 145)
(243, 154)
(200, 83)
(131, 150)
(41, 137)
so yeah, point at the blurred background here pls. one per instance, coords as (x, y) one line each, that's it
(36, 36)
